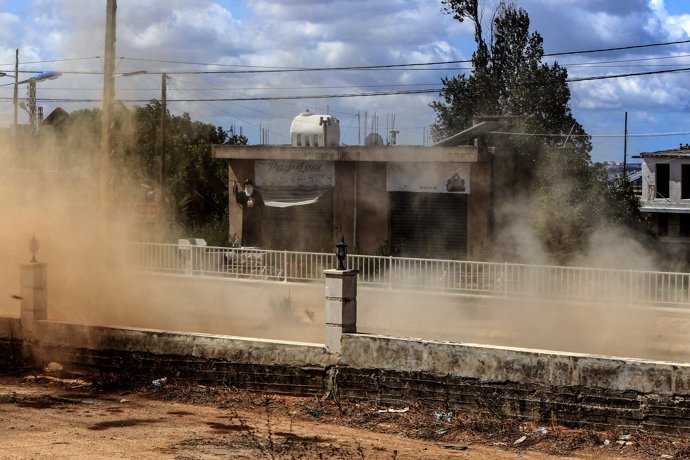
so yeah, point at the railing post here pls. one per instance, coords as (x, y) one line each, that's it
(630, 286)
(187, 260)
(505, 279)
(341, 307)
(285, 265)
(390, 272)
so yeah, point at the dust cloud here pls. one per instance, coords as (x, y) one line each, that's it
(600, 324)
(51, 191)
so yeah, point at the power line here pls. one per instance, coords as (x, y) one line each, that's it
(619, 48)
(250, 88)
(623, 75)
(60, 60)
(299, 69)
(370, 67)
(614, 61)
(461, 61)
(669, 134)
(257, 98)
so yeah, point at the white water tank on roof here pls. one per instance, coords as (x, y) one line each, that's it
(314, 130)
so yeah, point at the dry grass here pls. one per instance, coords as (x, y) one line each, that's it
(428, 423)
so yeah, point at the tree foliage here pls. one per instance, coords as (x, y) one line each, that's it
(542, 166)
(195, 189)
(508, 78)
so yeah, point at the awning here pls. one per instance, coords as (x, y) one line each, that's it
(284, 197)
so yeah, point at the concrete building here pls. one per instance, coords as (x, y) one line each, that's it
(412, 200)
(666, 194)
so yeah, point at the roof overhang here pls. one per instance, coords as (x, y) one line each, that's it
(670, 208)
(389, 154)
(670, 153)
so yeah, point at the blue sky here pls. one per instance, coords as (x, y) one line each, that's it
(182, 36)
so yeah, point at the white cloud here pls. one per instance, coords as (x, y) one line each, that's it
(334, 33)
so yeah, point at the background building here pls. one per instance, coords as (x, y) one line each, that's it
(666, 194)
(409, 200)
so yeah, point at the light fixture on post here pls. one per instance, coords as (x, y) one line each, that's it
(131, 74)
(35, 115)
(341, 253)
(34, 118)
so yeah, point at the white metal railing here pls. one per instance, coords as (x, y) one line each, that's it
(484, 278)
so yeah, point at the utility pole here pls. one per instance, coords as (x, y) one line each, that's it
(625, 147)
(15, 151)
(107, 113)
(164, 113)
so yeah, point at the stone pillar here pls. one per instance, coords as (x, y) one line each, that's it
(341, 306)
(34, 298)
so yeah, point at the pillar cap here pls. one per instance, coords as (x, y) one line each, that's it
(33, 264)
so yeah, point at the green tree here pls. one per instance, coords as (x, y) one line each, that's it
(542, 167)
(508, 78)
(196, 185)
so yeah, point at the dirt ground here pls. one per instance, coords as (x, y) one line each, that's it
(49, 417)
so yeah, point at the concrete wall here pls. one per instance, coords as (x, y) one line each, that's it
(128, 356)
(569, 389)
(547, 387)
(564, 388)
(11, 357)
(486, 363)
(360, 200)
(373, 207)
(480, 212)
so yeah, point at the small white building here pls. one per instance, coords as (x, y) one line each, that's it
(666, 193)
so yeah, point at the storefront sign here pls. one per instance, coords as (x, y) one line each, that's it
(428, 177)
(286, 173)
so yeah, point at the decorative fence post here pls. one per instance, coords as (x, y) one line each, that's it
(33, 284)
(341, 302)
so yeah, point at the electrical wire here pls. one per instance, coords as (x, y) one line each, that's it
(385, 66)
(371, 67)
(256, 98)
(669, 134)
(619, 48)
(623, 75)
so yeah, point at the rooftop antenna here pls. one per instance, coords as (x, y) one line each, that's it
(394, 132)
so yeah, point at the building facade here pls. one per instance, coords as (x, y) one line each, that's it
(409, 200)
(666, 194)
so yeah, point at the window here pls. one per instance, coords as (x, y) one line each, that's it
(662, 221)
(685, 182)
(663, 177)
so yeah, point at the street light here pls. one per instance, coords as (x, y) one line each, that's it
(34, 120)
(36, 116)
(341, 253)
(131, 74)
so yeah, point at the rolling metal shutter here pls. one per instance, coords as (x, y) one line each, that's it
(429, 224)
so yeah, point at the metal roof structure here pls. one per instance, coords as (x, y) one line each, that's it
(683, 151)
(463, 137)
